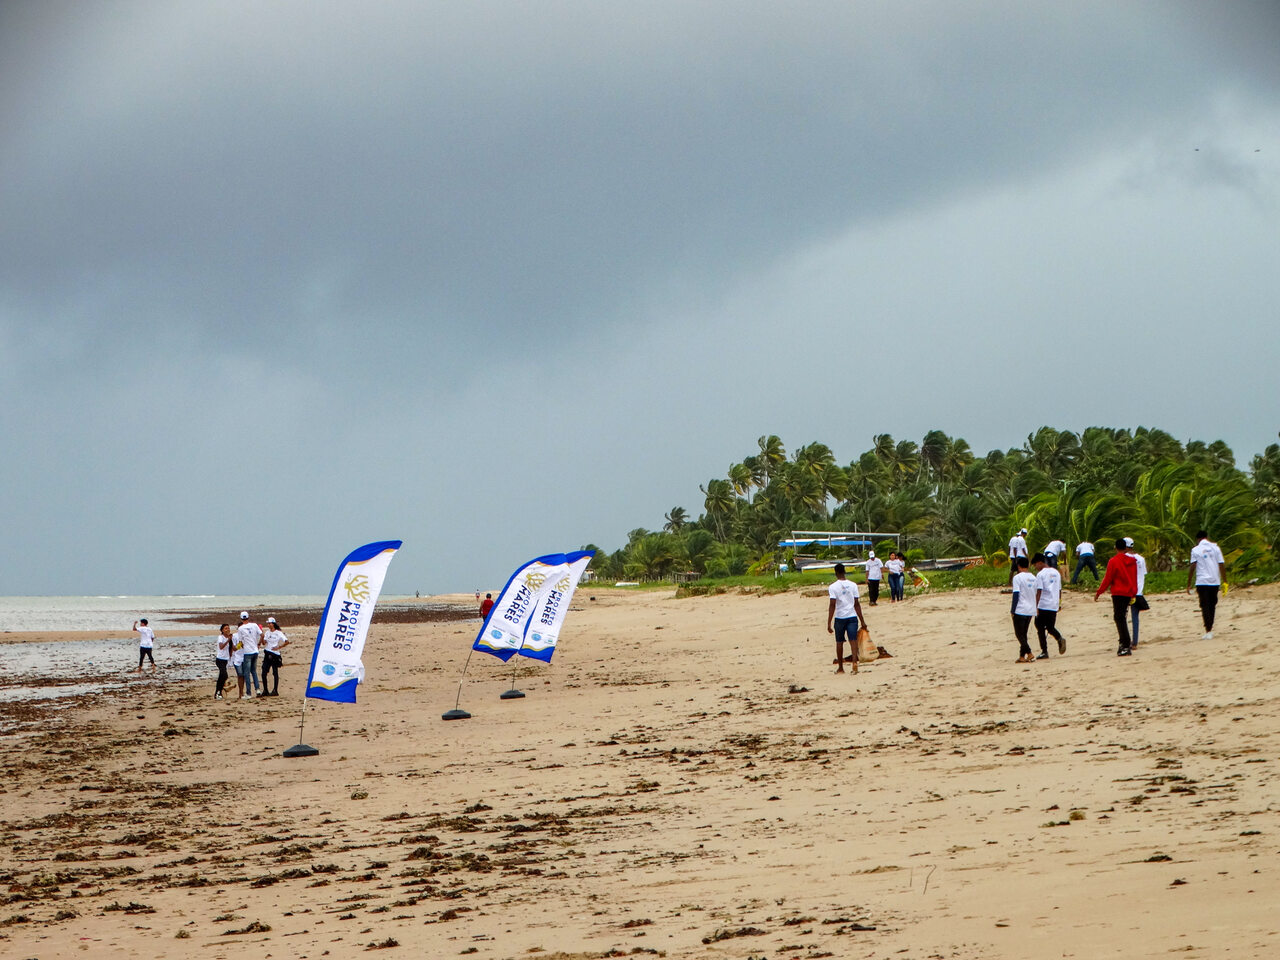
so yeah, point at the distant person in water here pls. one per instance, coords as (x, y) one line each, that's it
(486, 605)
(146, 640)
(222, 657)
(844, 612)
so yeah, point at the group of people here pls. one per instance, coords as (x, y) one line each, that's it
(240, 651)
(895, 567)
(1038, 597)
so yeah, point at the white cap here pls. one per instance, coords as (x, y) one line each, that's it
(271, 619)
(871, 554)
(244, 614)
(1128, 541)
(1022, 531)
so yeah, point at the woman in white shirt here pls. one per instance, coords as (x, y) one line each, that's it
(896, 567)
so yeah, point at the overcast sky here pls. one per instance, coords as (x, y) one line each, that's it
(501, 279)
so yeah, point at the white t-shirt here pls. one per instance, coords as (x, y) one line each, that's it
(1084, 547)
(844, 593)
(1024, 585)
(272, 640)
(1049, 583)
(222, 647)
(1017, 547)
(1206, 556)
(895, 565)
(874, 566)
(1141, 561)
(1056, 548)
(146, 637)
(248, 635)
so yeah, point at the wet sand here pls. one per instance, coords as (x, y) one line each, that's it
(661, 792)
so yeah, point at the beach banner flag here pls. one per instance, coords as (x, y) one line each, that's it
(544, 626)
(336, 668)
(526, 597)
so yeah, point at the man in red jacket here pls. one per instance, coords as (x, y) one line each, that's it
(1122, 578)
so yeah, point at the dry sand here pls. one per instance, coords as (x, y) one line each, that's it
(659, 792)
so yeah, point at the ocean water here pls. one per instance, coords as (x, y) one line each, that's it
(114, 614)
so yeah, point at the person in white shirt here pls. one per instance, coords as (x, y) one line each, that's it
(1054, 551)
(844, 611)
(1017, 548)
(146, 640)
(222, 657)
(1209, 570)
(1048, 603)
(875, 570)
(897, 568)
(249, 636)
(1139, 602)
(1084, 558)
(237, 662)
(1023, 608)
(274, 641)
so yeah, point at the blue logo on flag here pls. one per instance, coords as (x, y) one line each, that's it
(496, 634)
(537, 637)
(329, 670)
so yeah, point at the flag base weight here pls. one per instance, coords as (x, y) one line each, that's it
(512, 694)
(302, 750)
(455, 715)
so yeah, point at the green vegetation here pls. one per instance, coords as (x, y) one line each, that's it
(1097, 485)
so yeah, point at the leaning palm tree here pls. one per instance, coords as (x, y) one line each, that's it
(772, 453)
(676, 518)
(740, 478)
(719, 502)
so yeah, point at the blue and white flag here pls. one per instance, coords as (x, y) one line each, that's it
(336, 667)
(538, 590)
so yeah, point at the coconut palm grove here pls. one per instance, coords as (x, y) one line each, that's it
(1097, 485)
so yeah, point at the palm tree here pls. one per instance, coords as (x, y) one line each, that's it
(933, 451)
(772, 455)
(676, 518)
(719, 502)
(740, 478)
(1052, 451)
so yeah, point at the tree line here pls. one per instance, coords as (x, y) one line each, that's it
(1097, 485)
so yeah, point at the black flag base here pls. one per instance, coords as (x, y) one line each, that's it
(512, 694)
(302, 750)
(455, 715)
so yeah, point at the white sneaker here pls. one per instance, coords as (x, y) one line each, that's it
(1209, 635)
(248, 696)
(217, 696)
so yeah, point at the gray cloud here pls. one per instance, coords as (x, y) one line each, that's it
(245, 231)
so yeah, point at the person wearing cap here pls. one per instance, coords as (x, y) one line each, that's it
(1209, 570)
(273, 642)
(249, 636)
(146, 640)
(875, 568)
(1139, 601)
(1084, 558)
(1017, 548)
(1122, 578)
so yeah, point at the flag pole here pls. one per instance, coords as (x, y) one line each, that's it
(456, 713)
(301, 749)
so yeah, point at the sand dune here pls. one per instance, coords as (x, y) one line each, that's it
(659, 792)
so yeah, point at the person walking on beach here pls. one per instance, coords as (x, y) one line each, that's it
(844, 612)
(222, 657)
(1048, 603)
(1209, 571)
(1139, 601)
(486, 605)
(237, 662)
(874, 570)
(897, 568)
(249, 636)
(273, 641)
(1122, 578)
(1017, 548)
(1023, 607)
(146, 640)
(1055, 550)
(1084, 558)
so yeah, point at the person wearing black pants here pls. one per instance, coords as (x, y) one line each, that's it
(1122, 578)
(221, 658)
(1048, 600)
(1023, 607)
(1084, 558)
(1208, 570)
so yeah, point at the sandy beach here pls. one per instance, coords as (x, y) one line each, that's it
(688, 778)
